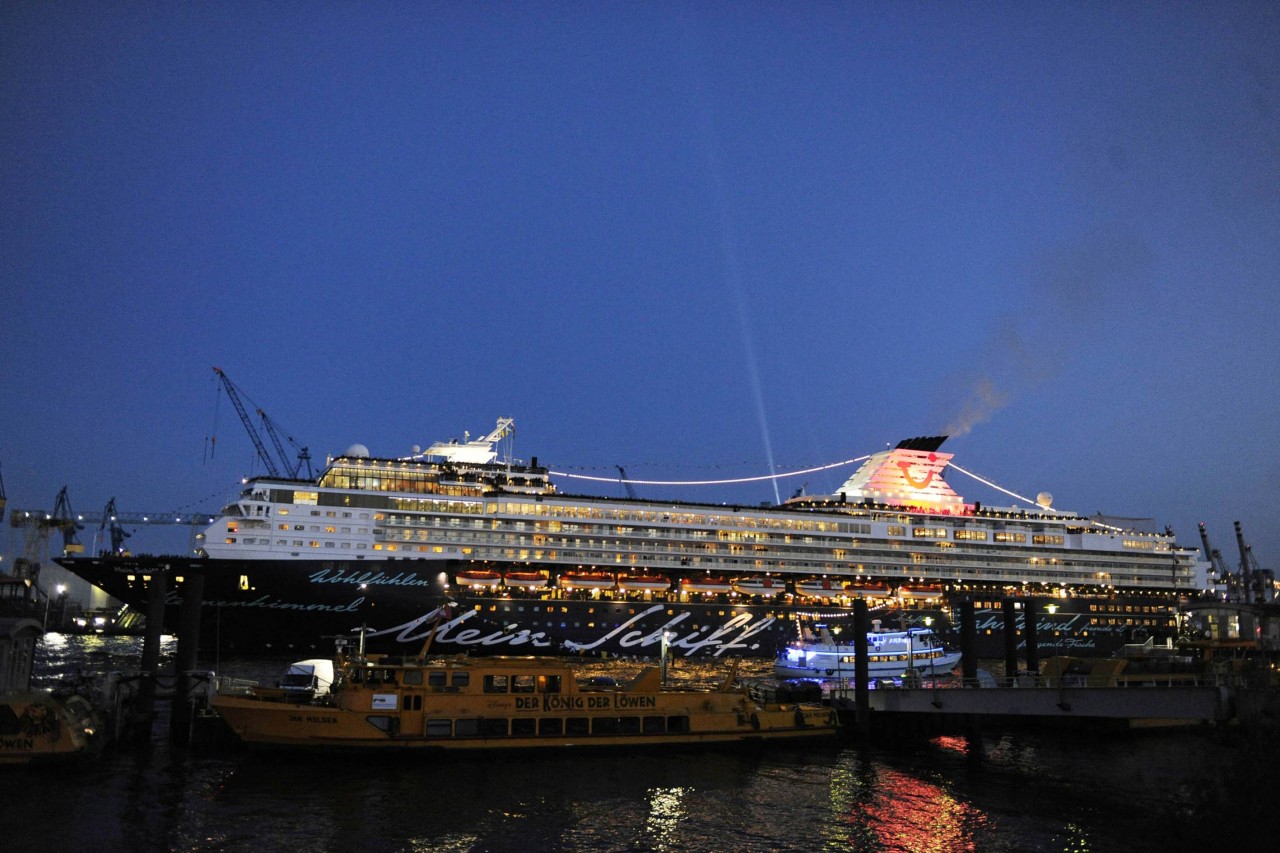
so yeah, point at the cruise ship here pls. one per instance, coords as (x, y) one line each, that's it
(461, 547)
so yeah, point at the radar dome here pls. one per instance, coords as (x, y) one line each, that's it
(357, 451)
(1044, 499)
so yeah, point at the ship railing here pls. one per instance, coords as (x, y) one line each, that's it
(225, 684)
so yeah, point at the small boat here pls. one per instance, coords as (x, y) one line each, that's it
(38, 725)
(508, 703)
(705, 585)
(587, 580)
(921, 591)
(868, 590)
(525, 580)
(478, 578)
(644, 583)
(890, 654)
(758, 586)
(820, 588)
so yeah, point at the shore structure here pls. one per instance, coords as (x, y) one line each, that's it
(485, 554)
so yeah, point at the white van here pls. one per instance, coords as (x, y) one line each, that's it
(311, 677)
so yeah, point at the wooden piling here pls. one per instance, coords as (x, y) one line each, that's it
(144, 711)
(861, 668)
(1009, 610)
(1030, 613)
(968, 638)
(188, 653)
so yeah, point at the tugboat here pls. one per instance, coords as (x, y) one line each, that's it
(380, 703)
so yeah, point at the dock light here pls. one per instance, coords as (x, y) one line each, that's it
(1051, 608)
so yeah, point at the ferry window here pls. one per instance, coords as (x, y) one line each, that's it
(522, 683)
(677, 724)
(413, 676)
(654, 725)
(549, 683)
(493, 726)
(524, 727)
(577, 726)
(469, 727)
(436, 679)
(550, 726)
(495, 684)
(382, 723)
(629, 725)
(604, 726)
(461, 679)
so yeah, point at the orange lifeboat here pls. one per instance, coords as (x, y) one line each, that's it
(758, 586)
(587, 580)
(869, 590)
(525, 580)
(921, 591)
(644, 583)
(821, 587)
(479, 578)
(706, 585)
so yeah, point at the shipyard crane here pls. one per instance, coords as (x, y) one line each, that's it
(304, 456)
(38, 523)
(274, 469)
(110, 524)
(36, 527)
(1224, 575)
(64, 521)
(1257, 585)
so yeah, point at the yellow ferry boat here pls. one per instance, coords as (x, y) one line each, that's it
(515, 703)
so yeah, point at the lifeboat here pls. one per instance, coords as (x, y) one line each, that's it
(921, 591)
(869, 590)
(758, 586)
(525, 580)
(587, 580)
(644, 583)
(478, 578)
(705, 585)
(821, 587)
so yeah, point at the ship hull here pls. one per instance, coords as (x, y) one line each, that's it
(402, 605)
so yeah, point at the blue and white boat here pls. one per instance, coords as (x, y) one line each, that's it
(890, 654)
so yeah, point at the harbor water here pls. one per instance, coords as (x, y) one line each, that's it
(1022, 791)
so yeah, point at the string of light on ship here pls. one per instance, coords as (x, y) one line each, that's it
(785, 474)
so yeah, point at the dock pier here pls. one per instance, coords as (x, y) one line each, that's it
(1028, 701)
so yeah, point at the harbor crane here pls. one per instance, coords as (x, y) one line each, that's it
(110, 524)
(282, 467)
(38, 524)
(1222, 573)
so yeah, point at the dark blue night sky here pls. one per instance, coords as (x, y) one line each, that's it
(697, 240)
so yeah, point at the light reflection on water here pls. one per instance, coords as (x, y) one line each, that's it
(1024, 792)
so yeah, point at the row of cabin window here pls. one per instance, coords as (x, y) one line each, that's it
(492, 683)
(555, 726)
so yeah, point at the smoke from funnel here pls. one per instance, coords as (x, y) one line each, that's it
(984, 400)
